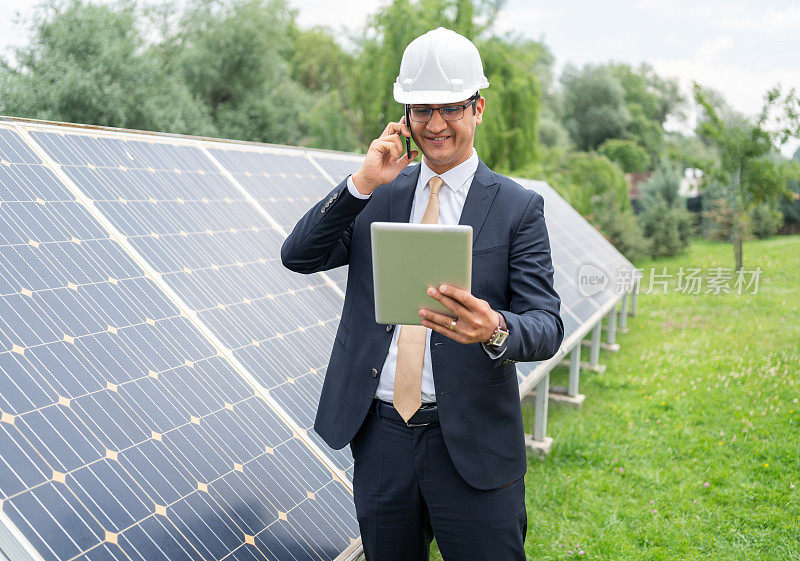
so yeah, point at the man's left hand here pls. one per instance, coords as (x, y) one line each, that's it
(476, 319)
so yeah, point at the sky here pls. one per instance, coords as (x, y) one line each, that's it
(741, 48)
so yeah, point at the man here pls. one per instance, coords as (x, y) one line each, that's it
(432, 413)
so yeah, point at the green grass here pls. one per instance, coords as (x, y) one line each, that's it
(688, 446)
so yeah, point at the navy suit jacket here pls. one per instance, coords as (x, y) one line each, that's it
(478, 397)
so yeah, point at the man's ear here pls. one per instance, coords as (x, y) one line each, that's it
(479, 106)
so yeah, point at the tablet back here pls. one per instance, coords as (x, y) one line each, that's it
(408, 258)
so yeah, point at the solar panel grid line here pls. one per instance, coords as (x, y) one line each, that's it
(191, 314)
(330, 282)
(321, 170)
(115, 452)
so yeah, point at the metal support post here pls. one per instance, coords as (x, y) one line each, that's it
(594, 353)
(611, 333)
(623, 315)
(634, 294)
(574, 371)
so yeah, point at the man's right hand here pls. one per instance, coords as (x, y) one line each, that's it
(385, 159)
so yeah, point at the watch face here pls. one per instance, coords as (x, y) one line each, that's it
(499, 338)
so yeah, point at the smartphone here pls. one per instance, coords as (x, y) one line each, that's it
(408, 139)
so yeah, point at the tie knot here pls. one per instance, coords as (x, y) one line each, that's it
(435, 183)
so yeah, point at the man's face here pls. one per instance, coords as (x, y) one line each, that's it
(445, 144)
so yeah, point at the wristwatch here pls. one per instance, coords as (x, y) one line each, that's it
(500, 334)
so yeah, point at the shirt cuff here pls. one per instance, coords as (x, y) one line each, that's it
(353, 191)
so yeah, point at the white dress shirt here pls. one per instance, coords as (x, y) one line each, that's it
(451, 203)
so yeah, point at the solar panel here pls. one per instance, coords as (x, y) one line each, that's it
(219, 252)
(125, 432)
(575, 243)
(337, 167)
(287, 182)
(160, 369)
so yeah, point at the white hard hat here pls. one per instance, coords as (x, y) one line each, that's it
(439, 67)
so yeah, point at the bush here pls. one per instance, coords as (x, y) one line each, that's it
(665, 220)
(765, 220)
(619, 227)
(668, 228)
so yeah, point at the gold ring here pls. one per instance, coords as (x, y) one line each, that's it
(453, 325)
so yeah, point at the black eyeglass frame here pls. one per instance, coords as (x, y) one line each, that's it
(430, 110)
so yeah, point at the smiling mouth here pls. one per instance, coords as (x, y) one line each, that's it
(437, 138)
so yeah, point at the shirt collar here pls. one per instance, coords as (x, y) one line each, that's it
(455, 178)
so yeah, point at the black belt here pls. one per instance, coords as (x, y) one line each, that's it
(427, 413)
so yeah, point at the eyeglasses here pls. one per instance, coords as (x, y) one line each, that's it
(448, 112)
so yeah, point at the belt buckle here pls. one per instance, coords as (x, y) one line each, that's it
(410, 424)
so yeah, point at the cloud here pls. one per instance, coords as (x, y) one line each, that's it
(772, 21)
(711, 50)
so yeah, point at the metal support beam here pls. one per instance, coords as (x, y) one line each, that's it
(539, 441)
(569, 395)
(594, 353)
(611, 332)
(574, 371)
(623, 315)
(540, 419)
(634, 294)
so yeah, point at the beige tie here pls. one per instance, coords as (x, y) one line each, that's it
(411, 341)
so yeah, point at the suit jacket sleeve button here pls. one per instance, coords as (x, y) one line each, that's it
(374, 372)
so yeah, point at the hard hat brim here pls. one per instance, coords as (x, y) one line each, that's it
(433, 97)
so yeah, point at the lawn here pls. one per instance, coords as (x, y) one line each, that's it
(687, 446)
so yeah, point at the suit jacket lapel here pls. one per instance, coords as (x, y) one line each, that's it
(479, 199)
(402, 194)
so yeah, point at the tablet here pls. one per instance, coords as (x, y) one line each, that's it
(408, 258)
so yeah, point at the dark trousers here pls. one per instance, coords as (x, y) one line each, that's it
(407, 490)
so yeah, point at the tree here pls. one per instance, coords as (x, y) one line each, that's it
(507, 138)
(746, 168)
(691, 151)
(320, 65)
(657, 97)
(631, 157)
(90, 64)
(233, 56)
(594, 105)
(579, 176)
